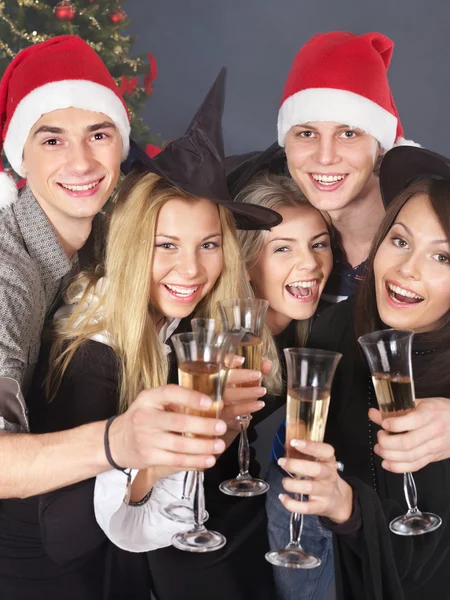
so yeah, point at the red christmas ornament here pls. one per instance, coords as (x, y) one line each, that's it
(64, 11)
(127, 86)
(117, 16)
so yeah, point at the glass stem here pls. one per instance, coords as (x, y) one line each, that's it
(199, 501)
(410, 491)
(188, 483)
(296, 526)
(244, 451)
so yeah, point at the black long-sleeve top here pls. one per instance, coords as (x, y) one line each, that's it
(386, 566)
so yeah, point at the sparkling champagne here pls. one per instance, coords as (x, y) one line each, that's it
(306, 417)
(251, 349)
(202, 377)
(395, 394)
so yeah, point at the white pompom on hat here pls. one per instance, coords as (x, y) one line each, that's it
(342, 77)
(63, 72)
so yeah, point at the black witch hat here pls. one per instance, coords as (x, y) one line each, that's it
(195, 162)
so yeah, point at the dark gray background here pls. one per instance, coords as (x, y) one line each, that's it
(257, 40)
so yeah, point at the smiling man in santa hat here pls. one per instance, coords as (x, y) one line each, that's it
(336, 120)
(64, 127)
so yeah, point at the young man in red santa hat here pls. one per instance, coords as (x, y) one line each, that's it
(65, 127)
(337, 119)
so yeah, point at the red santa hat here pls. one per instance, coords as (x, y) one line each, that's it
(62, 72)
(342, 77)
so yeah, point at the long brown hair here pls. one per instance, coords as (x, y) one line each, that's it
(436, 344)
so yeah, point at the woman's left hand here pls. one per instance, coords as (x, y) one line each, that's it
(329, 495)
(427, 437)
(238, 401)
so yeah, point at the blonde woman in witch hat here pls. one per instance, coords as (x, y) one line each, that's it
(171, 253)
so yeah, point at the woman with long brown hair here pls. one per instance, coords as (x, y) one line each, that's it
(407, 286)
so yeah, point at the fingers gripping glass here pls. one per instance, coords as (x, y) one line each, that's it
(202, 366)
(182, 510)
(309, 377)
(248, 314)
(388, 353)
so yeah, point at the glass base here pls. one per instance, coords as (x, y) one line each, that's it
(415, 523)
(200, 540)
(244, 487)
(181, 512)
(293, 557)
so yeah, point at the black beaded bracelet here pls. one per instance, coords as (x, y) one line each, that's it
(113, 463)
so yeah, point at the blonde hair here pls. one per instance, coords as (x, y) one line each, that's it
(121, 306)
(275, 192)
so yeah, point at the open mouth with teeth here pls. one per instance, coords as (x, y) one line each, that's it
(182, 292)
(81, 188)
(401, 296)
(328, 180)
(303, 290)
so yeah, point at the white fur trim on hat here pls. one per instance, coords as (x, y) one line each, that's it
(401, 141)
(341, 106)
(8, 190)
(73, 93)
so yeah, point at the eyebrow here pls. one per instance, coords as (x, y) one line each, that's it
(339, 126)
(409, 232)
(287, 239)
(60, 130)
(177, 239)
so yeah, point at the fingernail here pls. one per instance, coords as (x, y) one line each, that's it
(205, 402)
(239, 359)
(260, 404)
(281, 497)
(221, 427)
(210, 461)
(263, 391)
(386, 425)
(254, 375)
(282, 461)
(219, 445)
(298, 443)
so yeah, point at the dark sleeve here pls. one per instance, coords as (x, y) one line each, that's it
(330, 327)
(351, 530)
(393, 566)
(88, 393)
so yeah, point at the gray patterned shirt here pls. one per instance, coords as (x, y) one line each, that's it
(34, 268)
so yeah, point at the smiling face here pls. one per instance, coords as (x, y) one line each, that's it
(412, 269)
(293, 267)
(331, 163)
(72, 162)
(187, 259)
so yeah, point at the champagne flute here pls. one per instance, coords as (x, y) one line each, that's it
(249, 314)
(388, 353)
(201, 367)
(182, 510)
(309, 377)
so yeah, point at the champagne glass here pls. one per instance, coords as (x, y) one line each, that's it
(249, 314)
(388, 353)
(309, 377)
(201, 367)
(182, 510)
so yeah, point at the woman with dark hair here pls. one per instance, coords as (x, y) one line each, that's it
(407, 286)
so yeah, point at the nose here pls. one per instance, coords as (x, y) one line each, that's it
(189, 265)
(327, 150)
(80, 158)
(410, 266)
(306, 262)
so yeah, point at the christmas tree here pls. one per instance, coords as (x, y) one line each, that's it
(98, 22)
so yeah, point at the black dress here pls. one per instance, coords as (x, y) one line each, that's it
(381, 565)
(52, 546)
